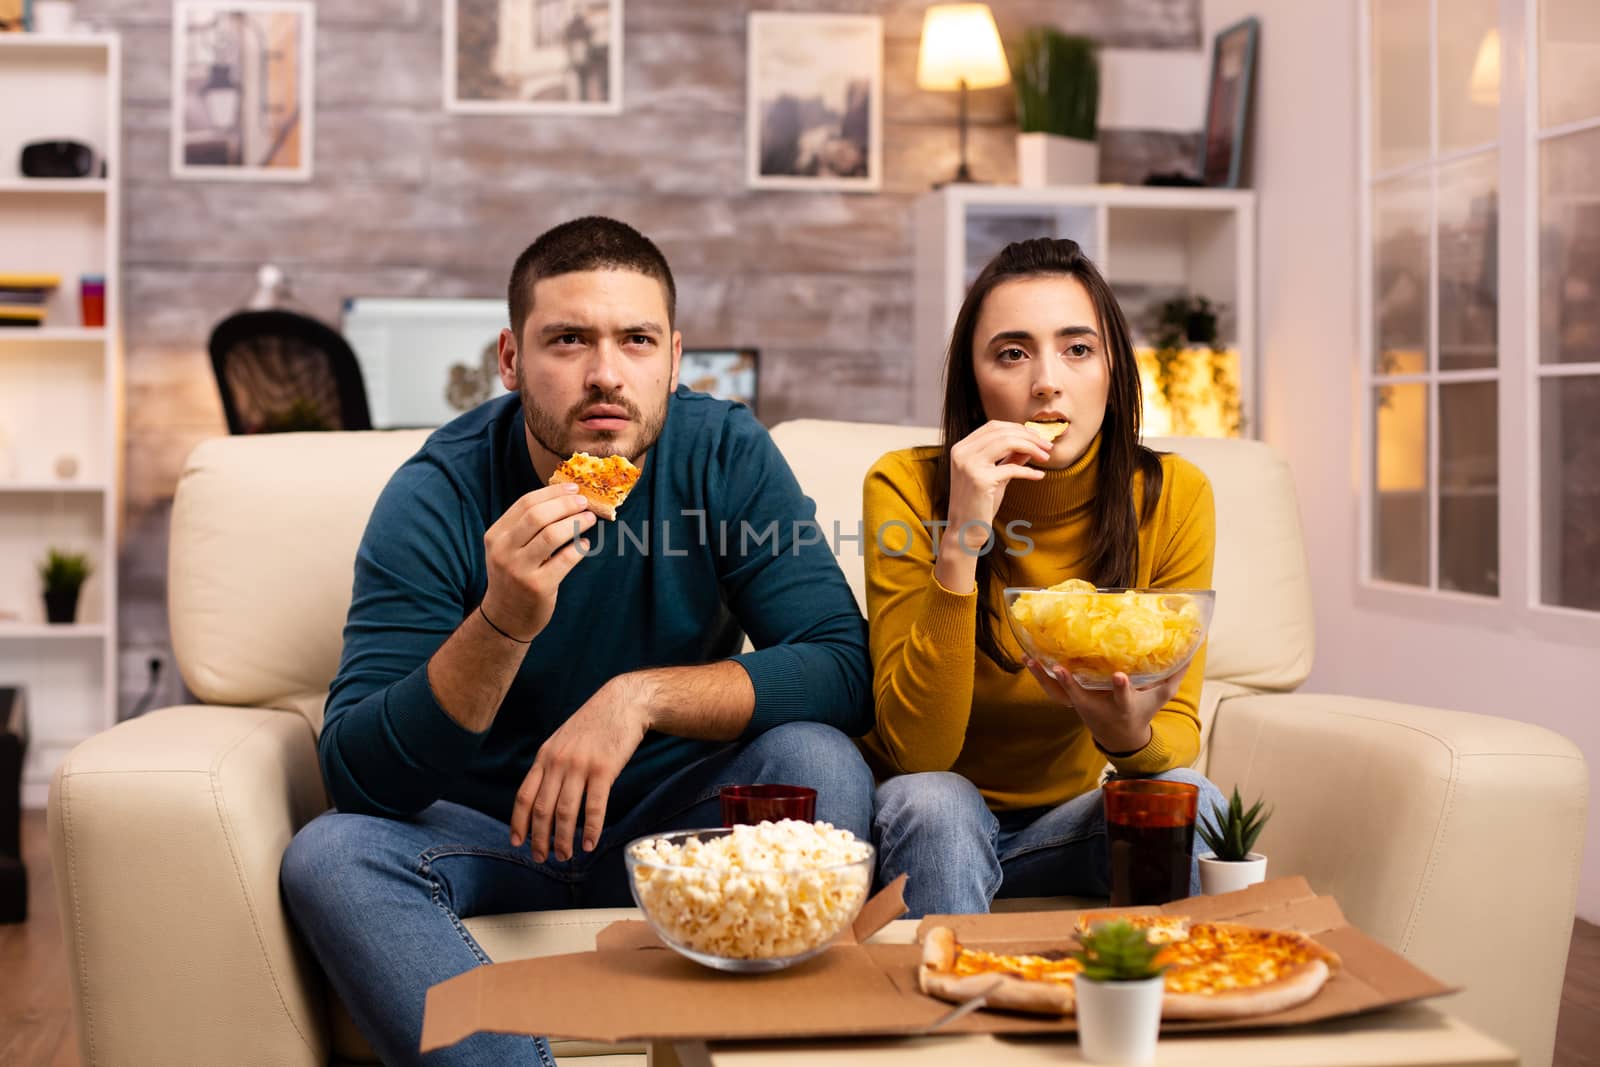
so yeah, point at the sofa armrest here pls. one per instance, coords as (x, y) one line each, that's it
(1453, 838)
(166, 833)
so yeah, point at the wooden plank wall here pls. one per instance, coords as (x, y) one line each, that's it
(407, 200)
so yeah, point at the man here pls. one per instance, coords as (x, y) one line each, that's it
(525, 688)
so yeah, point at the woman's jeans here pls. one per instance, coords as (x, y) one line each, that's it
(380, 901)
(959, 855)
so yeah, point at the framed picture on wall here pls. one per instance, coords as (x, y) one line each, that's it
(726, 373)
(531, 56)
(1233, 64)
(243, 79)
(814, 107)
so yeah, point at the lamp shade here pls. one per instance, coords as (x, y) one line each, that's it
(960, 43)
(1485, 86)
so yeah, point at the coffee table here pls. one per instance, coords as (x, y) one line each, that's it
(1414, 1035)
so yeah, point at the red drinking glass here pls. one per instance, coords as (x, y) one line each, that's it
(767, 803)
(1150, 834)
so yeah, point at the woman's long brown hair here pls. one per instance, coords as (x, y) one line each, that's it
(1114, 524)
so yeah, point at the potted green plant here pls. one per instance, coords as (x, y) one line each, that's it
(1231, 836)
(1178, 329)
(1057, 81)
(63, 575)
(1119, 994)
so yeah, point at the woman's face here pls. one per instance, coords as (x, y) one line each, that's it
(1039, 356)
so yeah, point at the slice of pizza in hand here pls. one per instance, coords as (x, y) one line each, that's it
(604, 482)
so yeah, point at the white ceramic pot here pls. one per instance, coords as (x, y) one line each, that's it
(52, 16)
(1223, 876)
(1043, 159)
(1118, 1022)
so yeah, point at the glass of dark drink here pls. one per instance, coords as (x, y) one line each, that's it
(1150, 832)
(767, 803)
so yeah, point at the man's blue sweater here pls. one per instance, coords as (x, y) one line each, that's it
(716, 541)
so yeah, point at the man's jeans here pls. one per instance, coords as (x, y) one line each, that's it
(380, 901)
(936, 828)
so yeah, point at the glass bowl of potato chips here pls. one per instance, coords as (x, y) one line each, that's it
(1147, 634)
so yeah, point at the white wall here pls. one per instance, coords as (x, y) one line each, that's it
(1305, 167)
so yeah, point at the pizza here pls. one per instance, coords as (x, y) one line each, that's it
(1048, 430)
(604, 482)
(1213, 970)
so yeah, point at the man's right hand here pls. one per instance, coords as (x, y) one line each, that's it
(529, 550)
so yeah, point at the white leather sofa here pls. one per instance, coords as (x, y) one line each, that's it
(1453, 838)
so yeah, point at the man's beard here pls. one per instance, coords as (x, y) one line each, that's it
(555, 434)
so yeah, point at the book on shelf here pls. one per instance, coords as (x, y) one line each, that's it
(21, 315)
(29, 281)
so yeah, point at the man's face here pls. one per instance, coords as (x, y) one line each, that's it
(595, 365)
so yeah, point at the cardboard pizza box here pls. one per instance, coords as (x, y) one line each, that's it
(633, 988)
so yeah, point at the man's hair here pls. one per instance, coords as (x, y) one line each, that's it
(590, 243)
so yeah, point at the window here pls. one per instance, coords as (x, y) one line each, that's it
(1566, 401)
(1478, 401)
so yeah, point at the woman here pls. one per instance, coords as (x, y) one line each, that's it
(990, 766)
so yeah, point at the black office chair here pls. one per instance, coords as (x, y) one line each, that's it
(279, 371)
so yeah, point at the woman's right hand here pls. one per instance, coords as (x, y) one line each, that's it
(982, 464)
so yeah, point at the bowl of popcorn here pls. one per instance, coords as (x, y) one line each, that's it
(1147, 634)
(751, 898)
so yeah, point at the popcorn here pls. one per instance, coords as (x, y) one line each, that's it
(767, 891)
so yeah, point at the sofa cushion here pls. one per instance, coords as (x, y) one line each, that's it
(262, 557)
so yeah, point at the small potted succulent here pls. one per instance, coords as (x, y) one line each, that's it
(1119, 994)
(1231, 835)
(63, 575)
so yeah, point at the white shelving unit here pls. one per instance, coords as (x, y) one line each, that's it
(60, 391)
(1144, 240)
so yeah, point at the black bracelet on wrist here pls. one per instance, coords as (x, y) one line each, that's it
(501, 632)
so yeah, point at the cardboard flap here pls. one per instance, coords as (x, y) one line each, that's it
(621, 995)
(886, 905)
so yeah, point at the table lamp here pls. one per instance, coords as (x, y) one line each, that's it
(961, 50)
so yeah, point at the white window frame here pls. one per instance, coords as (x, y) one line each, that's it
(1518, 372)
(1537, 372)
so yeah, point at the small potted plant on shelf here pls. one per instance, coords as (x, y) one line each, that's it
(1057, 80)
(1193, 364)
(1231, 835)
(1119, 994)
(63, 575)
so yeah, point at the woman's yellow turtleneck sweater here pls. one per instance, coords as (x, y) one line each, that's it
(942, 706)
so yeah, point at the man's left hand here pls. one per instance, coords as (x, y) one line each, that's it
(576, 767)
(1119, 717)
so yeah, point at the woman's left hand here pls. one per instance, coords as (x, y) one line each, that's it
(1119, 717)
